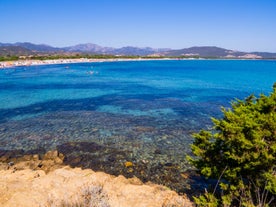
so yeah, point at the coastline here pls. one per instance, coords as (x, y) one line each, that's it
(26, 63)
(20, 63)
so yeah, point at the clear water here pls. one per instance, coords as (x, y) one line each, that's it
(140, 111)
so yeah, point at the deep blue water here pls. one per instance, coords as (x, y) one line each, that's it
(145, 109)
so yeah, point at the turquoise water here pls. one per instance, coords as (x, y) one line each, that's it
(113, 112)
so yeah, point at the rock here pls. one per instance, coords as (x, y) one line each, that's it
(35, 188)
(128, 164)
(158, 151)
(3, 159)
(184, 175)
(27, 157)
(3, 129)
(10, 163)
(36, 157)
(53, 157)
(53, 161)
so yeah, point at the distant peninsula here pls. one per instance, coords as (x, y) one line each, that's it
(26, 50)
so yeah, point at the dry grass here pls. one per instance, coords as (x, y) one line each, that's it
(91, 196)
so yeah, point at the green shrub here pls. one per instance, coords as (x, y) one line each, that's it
(240, 151)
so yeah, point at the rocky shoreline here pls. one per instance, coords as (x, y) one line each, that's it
(44, 180)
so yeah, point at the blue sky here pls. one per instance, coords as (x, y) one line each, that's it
(247, 25)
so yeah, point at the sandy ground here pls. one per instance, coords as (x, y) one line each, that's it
(47, 182)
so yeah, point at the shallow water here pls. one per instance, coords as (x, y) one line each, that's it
(103, 114)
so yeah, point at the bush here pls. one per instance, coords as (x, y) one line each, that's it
(240, 152)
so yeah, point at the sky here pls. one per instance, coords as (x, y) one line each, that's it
(245, 25)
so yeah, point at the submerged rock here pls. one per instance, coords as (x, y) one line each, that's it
(128, 164)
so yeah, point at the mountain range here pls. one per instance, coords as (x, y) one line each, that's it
(26, 48)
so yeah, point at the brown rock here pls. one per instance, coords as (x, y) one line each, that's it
(73, 187)
(46, 182)
(35, 157)
(51, 155)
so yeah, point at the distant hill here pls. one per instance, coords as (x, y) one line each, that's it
(265, 54)
(96, 49)
(137, 51)
(205, 51)
(34, 47)
(216, 52)
(14, 51)
(89, 48)
(26, 48)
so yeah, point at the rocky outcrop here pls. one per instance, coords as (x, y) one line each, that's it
(43, 180)
(46, 162)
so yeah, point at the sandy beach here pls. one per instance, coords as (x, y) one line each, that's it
(18, 63)
(9, 64)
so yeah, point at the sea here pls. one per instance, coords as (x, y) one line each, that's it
(134, 118)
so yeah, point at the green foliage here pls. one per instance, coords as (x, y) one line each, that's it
(8, 58)
(206, 200)
(240, 150)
